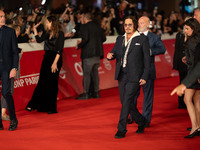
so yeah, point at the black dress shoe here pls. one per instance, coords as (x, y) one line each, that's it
(90, 95)
(189, 129)
(83, 96)
(142, 127)
(1, 125)
(130, 120)
(119, 135)
(13, 124)
(52, 112)
(95, 95)
(147, 125)
(195, 133)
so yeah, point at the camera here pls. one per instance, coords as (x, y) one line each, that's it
(41, 10)
(70, 4)
(110, 4)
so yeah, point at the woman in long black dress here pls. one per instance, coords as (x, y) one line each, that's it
(192, 50)
(44, 98)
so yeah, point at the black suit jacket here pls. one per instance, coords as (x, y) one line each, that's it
(193, 76)
(138, 58)
(179, 53)
(157, 47)
(9, 48)
(92, 37)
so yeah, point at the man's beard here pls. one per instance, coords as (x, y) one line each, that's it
(129, 32)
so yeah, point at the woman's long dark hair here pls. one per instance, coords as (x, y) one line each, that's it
(55, 26)
(195, 26)
(194, 39)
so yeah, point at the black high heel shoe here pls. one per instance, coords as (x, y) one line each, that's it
(29, 109)
(195, 133)
(189, 128)
(1, 125)
(198, 134)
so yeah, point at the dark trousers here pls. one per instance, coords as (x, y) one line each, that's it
(127, 91)
(90, 71)
(3, 100)
(6, 92)
(148, 90)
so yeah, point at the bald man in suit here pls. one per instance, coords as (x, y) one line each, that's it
(156, 48)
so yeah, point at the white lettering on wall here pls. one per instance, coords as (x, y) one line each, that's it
(78, 68)
(26, 81)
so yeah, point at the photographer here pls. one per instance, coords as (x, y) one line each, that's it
(108, 17)
(121, 12)
(67, 20)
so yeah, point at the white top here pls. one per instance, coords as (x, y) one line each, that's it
(128, 43)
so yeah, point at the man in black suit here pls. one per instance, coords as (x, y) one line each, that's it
(189, 80)
(156, 48)
(132, 55)
(91, 51)
(8, 65)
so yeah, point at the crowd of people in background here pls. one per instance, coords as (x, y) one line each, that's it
(110, 17)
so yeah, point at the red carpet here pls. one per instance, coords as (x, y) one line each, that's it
(92, 124)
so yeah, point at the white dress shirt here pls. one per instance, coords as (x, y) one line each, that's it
(127, 45)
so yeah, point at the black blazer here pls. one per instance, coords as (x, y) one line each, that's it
(193, 76)
(192, 51)
(92, 37)
(179, 53)
(9, 48)
(138, 58)
(157, 47)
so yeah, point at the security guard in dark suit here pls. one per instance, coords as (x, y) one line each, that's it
(156, 48)
(9, 59)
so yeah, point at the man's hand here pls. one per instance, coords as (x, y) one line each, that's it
(110, 55)
(28, 30)
(184, 60)
(179, 90)
(142, 82)
(13, 73)
(78, 42)
(22, 52)
(35, 28)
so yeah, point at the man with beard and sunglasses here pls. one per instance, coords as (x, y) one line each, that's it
(132, 54)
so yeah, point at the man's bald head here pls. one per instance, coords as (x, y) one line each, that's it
(143, 23)
(197, 14)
